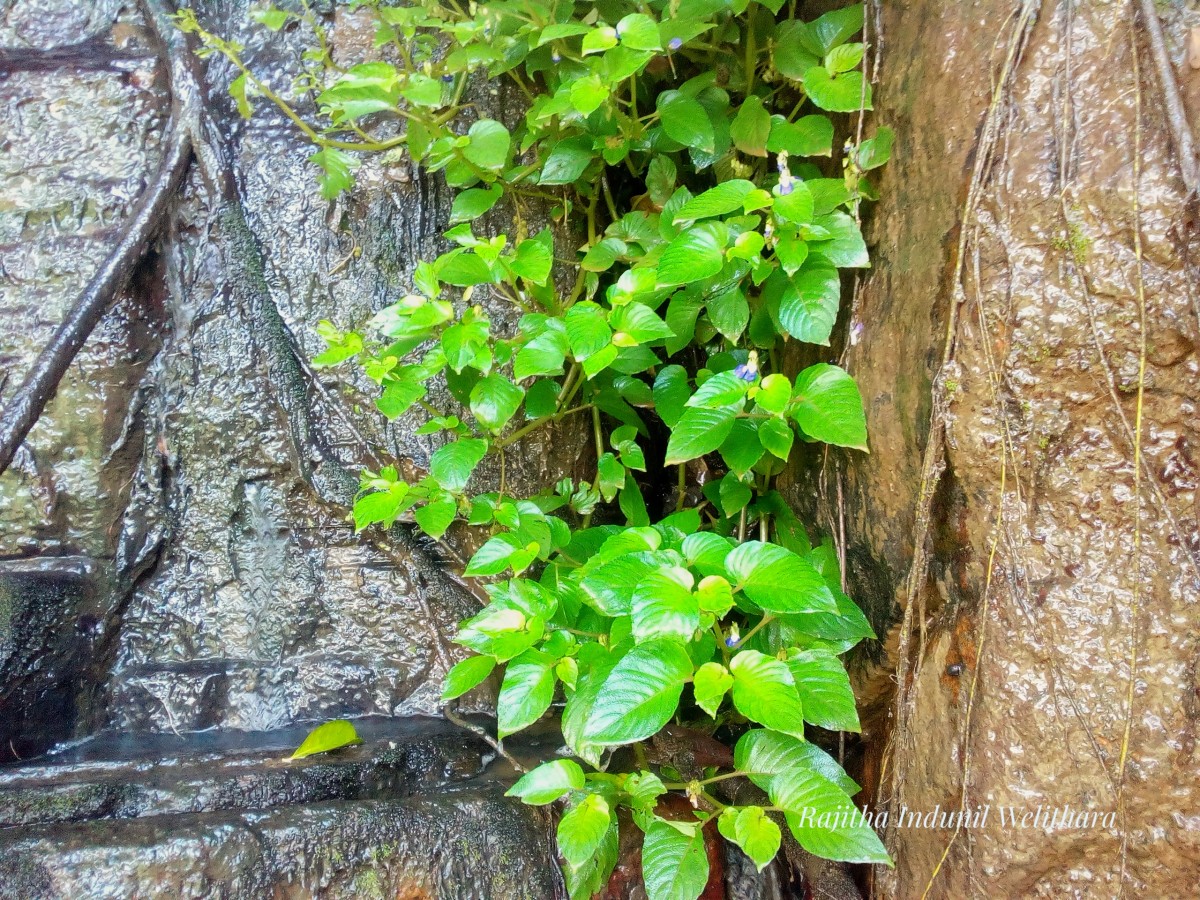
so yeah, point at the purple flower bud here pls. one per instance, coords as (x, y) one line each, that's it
(447, 78)
(557, 57)
(745, 372)
(731, 641)
(786, 187)
(675, 43)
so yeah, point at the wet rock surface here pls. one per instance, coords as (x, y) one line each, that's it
(174, 548)
(192, 458)
(415, 811)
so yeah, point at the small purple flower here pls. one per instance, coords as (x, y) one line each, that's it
(675, 43)
(786, 186)
(731, 642)
(748, 371)
(556, 57)
(448, 78)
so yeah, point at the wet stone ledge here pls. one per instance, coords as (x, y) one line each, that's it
(415, 811)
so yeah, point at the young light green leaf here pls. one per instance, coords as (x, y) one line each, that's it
(828, 406)
(548, 782)
(674, 861)
(644, 788)
(764, 692)
(590, 878)
(467, 675)
(751, 829)
(778, 580)
(330, 736)
(777, 437)
(582, 829)
(640, 694)
(843, 58)
(711, 683)
(774, 393)
(875, 151)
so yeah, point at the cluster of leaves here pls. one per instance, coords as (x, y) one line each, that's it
(700, 118)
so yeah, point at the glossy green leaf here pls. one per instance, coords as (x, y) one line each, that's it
(722, 389)
(751, 127)
(686, 121)
(526, 693)
(718, 201)
(494, 401)
(828, 407)
(842, 93)
(434, 517)
(695, 254)
(742, 448)
(663, 606)
(846, 248)
(777, 437)
(582, 829)
(778, 580)
(567, 161)
(489, 145)
(764, 692)
(807, 136)
(824, 685)
(674, 861)
(638, 32)
(331, 736)
(818, 819)
(451, 465)
(548, 782)
(640, 695)
(833, 28)
(671, 393)
(588, 94)
(700, 431)
(467, 675)
(638, 323)
(809, 300)
(544, 355)
(763, 754)
(876, 150)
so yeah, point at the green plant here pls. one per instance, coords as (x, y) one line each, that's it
(669, 131)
